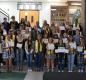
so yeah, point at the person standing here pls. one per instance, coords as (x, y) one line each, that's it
(22, 24)
(50, 54)
(71, 55)
(29, 51)
(19, 52)
(38, 53)
(14, 24)
(61, 56)
(77, 37)
(6, 25)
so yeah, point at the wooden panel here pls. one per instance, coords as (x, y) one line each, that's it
(32, 16)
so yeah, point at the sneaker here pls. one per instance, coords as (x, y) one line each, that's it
(48, 70)
(1, 64)
(30, 70)
(69, 71)
(79, 70)
(59, 71)
(52, 70)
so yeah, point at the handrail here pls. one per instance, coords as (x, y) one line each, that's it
(5, 13)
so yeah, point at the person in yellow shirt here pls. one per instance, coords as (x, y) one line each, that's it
(38, 52)
(50, 54)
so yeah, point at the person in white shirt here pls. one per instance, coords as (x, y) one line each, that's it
(50, 54)
(71, 54)
(29, 51)
(80, 50)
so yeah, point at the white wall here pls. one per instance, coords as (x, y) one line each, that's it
(45, 14)
(10, 8)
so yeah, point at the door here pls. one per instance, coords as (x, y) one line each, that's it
(31, 16)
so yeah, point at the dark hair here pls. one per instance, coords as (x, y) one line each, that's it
(13, 17)
(70, 37)
(28, 24)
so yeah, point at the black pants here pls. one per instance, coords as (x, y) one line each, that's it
(1, 60)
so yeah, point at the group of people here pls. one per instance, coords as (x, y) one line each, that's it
(48, 46)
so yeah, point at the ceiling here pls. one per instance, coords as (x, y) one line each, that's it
(39, 0)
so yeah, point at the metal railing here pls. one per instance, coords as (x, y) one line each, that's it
(4, 13)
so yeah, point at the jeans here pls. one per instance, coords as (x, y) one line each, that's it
(61, 61)
(19, 57)
(38, 60)
(71, 58)
(80, 61)
(29, 60)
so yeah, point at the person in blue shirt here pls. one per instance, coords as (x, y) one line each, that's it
(77, 37)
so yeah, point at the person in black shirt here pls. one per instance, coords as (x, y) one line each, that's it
(6, 25)
(14, 24)
(22, 24)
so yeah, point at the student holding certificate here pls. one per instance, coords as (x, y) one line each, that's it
(19, 53)
(50, 54)
(38, 53)
(71, 55)
(61, 56)
(29, 51)
(80, 49)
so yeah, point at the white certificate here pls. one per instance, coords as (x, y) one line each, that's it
(55, 40)
(62, 28)
(11, 44)
(65, 40)
(61, 47)
(19, 45)
(84, 51)
(51, 47)
(45, 41)
(61, 51)
(66, 51)
(29, 29)
(80, 49)
(4, 32)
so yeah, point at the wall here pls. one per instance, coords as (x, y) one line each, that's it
(83, 16)
(45, 12)
(10, 8)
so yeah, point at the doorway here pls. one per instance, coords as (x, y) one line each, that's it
(31, 16)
